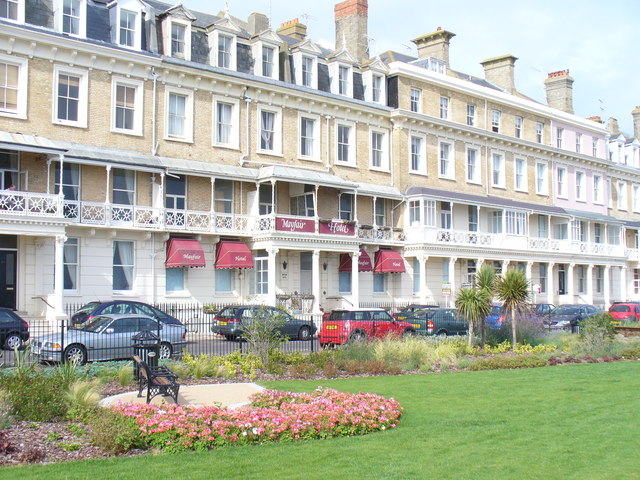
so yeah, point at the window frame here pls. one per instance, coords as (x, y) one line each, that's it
(519, 121)
(71, 243)
(539, 132)
(231, 54)
(477, 173)
(187, 136)
(234, 129)
(20, 12)
(83, 95)
(383, 150)
(561, 183)
(471, 114)
(598, 197)
(316, 147)
(578, 142)
(623, 198)
(350, 146)
(137, 34)
(449, 162)
(419, 156)
(415, 96)
(544, 179)
(138, 105)
(524, 186)
(496, 119)
(123, 266)
(22, 86)
(82, 19)
(580, 184)
(559, 136)
(498, 181)
(277, 130)
(311, 75)
(444, 107)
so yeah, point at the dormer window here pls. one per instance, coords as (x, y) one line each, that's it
(308, 64)
(127, 36)
(72, 17)
(12, 10)
(343, 80)
(267, 61)
(224, 51)
(376, 88)
(178, 34)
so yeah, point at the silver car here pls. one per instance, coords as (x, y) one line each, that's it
(106, 337)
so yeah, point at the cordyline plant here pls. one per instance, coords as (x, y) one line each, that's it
(513, 290)
(272, 416)
(474, 304)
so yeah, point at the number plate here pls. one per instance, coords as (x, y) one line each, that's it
(417, 325)
(222, 323)
(331, 327)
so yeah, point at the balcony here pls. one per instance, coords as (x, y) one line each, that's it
(576, 246)
(32, 205)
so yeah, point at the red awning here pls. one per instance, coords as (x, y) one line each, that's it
(184, 252)
(233, 255)
(388, 261)
(364, 262)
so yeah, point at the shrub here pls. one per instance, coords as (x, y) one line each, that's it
(125, 374)
(113, 432)
(262, 334)
(530, 331)
(34, 395)
(6, 419)
(596, 332)
(82, 397)
(509, 362)
(630, 352)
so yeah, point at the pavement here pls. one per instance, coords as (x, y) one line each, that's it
(230, 395)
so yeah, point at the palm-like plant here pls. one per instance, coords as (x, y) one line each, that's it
(512, 288)
(485, 280)
(474, 304)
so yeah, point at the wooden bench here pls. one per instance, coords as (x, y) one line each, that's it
(157, 381)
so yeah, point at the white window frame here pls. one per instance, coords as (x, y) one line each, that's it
(368, 77)
(257, 50)
(21, 104)
(138, 106)
(597, 189)
(314, 69)
(82, 19)
(539, 132)
(351, 145)
(378, 89)
(500, 180)
(420, 157)
(132, 266)
(523, 185)
(277, 130)
(137, 33)
(471, 114)
(594, 147)
(635, 198)
(581, 185)
(19, 14)
(415, 97)
(167, 30)
(519, 121)
(72, 243)
(559, 136)
(542, 188)
(334, 70)
(578, 142)
(215, 53)
(623, 203)
(515, 222)
(188, 121)
(83, 95)
(449, 162)
(561, 183)
(384, 149)
(496, 120)
(315, 137)
(477, 174)
(444, 107)
(234, 134)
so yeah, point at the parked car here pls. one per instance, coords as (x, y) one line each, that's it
(125, 307)
(495, 318)
(440, 322)
(229, 322)
(411, 310)
(627, 311)
(542, 311)
(568, 317)
(344, 326)
(14, 331)
(106, 337)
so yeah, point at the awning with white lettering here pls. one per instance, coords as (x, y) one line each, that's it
(233, 255)
(388, 261)
(184, 252)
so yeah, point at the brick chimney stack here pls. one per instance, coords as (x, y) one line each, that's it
(612, 126)
(435, 45)
(501, 71)
(635, 113)
(559, 87)
(352, 17)
(294, 29)
(257, 23)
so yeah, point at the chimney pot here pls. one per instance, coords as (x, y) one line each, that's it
(294, 29)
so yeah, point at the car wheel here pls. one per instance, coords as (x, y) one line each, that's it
(442, 333)
(75, 354)
(409, 332)
(13, 341)
(165, 350)
(357, 336)
(304, 333)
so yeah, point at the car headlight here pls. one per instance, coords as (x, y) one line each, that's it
(52, 346)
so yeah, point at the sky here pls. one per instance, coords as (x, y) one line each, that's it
(593, 39)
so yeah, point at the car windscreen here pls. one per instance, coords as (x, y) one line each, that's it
(89, 307)
(496, 310)
(229, 312)
(620, 308)
(566, 310)
(96, 324)
(337, 316)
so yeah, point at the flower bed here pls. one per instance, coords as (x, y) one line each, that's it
(272, 416)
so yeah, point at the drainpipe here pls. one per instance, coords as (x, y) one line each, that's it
(154, 143)
(247, 100)
(328, 119)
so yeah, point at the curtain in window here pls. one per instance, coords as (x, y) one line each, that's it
(224, 123)
(177, 114)
(122, 265)
(268, 120)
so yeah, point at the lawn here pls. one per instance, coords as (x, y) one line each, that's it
(566, 422)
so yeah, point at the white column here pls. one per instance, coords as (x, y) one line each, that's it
(505, 265)
(57, 312)
(271, 276)
(529, 271)
(589, 289)
(623, 283)
(452, 277)
(315, 280)
(550, 286)
(355, 279)
(570, 282)
(607, 286)
(422, 261)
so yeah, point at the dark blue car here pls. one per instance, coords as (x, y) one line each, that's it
(496, 317)
(125, 307)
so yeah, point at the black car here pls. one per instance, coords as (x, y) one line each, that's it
(14, 331)
(411, 310)
(125, 307)
(568, 317)
(229, 322)
(440, 322)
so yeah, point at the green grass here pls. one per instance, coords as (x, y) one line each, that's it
(567, 422)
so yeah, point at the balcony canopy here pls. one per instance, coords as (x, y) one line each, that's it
(388, 261)
(184, 252)
(364, 262)
(233, 255)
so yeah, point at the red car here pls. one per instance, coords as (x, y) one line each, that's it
(344, 326)
(625, 311)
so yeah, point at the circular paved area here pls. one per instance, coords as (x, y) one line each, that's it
(230, 395)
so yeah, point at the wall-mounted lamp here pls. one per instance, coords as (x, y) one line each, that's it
(324, 266)
(284, 265)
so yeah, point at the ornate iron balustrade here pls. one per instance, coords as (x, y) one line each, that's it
(37, 205)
